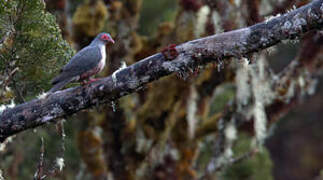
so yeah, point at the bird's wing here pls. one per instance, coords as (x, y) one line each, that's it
(83, 61)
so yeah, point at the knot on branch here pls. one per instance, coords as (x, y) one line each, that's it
(170, 52)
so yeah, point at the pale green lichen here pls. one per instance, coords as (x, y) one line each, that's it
(265, 7)
(3, 107)
(202, 16)
(60, 163)
(225, 158)
(216, 18)
(254, 82)
(263, 95)
(1, 177)
(191, 109)
(114, 75)
(230, 133)
(42, 95)
(5, 143)
(269, 18)
(292, 9)
(243, 93)
(237, 3)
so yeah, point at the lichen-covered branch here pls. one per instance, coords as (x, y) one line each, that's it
(189, 55)
(290, 86)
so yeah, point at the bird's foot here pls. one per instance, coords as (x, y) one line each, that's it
(93, 80)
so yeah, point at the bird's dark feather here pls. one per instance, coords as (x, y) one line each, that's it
(83, 61)
(80, 62)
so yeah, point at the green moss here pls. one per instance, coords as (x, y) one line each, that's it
(90, 18)
(161, 97)
(32, 43)
(258, 167)
(223, 94)
(154, 13)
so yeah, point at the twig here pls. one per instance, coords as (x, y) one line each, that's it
(39, 174)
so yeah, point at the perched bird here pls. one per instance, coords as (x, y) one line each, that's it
(87, 62)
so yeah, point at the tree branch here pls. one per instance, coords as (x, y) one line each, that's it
(182, 58)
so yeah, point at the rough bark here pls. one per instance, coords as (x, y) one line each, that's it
(187, 57)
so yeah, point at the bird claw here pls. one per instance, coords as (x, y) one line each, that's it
(91, 80)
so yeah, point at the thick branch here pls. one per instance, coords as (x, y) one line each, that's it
(190, 54)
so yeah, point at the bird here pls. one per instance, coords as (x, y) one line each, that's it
(87, 62)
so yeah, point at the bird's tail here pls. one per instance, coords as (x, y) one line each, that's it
(60, 84)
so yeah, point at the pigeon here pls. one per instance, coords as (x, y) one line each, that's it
(87, 62)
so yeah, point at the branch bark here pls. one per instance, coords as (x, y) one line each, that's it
(189, 55)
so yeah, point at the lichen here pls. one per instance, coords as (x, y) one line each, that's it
(230, 132)
(299, 22)
(286, 26)
(265, 7)
(292, 9)
(237, 3)
(59, 162)
(3, 107)
(230, 135)
(113, 105)
(114, 75)
(202, 16)
(191, 109)
(260, 122)
(263, 95)
(42, 95)
(243, 87)
(46, 118)
(1, 177)
(4, 144)
(312, 86)
(217, 22)
(269, 18)
(170, 67)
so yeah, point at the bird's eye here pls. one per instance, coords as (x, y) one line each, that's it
(104, 37)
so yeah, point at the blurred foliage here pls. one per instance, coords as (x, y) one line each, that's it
(258, 167)
(155, 12)
(32, 42)
(24, 154)
(90, 18)
(223, 95)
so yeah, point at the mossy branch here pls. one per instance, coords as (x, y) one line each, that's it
(180, 59)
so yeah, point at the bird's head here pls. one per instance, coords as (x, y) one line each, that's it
(105, 37)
